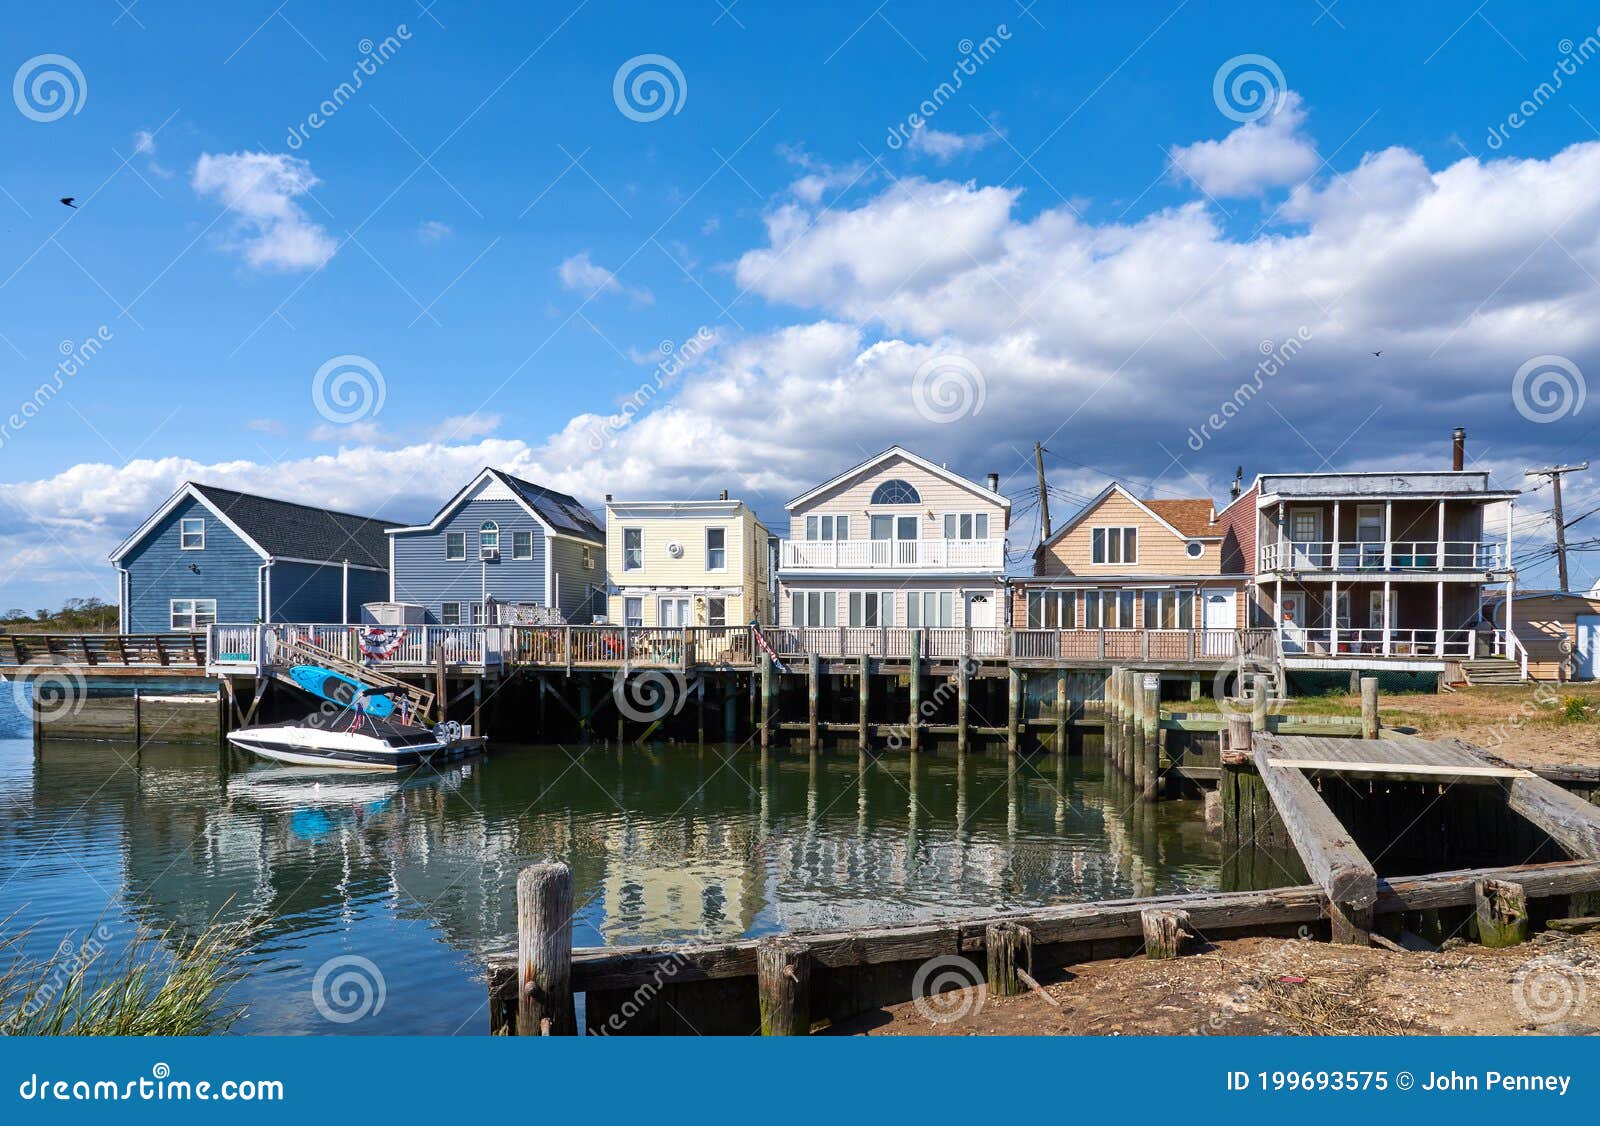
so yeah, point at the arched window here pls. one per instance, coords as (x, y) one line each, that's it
(895, 492)
(489, 535)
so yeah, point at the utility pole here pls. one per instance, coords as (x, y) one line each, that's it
(1555, 472)
(1044, 494)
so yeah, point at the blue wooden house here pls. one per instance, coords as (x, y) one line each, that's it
(214, 555)
(501, 549)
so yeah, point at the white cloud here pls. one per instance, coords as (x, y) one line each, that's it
(270, 229)
(1110, 342)
(465, 427)
(432, 232)
(1269, 152)
(365, 432)
(945, 147)
(144, 144)
(586, 276)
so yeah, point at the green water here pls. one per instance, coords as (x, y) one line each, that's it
(415, 874)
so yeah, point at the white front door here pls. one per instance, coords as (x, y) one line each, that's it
(1219, 618)
(1588, 642)
(980, 607)
(1305, 532)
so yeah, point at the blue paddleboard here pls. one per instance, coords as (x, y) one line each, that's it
(325, 684)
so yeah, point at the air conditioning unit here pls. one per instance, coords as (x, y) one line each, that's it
(488, 554)
(588, 561)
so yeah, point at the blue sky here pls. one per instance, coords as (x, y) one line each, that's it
(1104, 248)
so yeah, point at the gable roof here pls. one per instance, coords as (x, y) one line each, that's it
(561, 514)
(1187, 519)
(922, 462)
(1191, 517)
(281, 529)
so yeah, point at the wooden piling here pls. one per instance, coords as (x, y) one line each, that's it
(963, 696)
(730, 710)
(1062, 707)
(1164, 932)
(864, 698)
(783, 985)
(1136, 718)
(1130, 698)
(1013, 708)
(915, 721)
(1150, 716)
(1502, 912)
(813, 698)
(1009, 946)
(585, 707)
(545, 1004)
(766, 700)
(1369, 707)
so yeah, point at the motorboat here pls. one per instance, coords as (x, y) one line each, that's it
(355, 738)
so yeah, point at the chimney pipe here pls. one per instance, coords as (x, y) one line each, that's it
(994, 482)
(724, 495)
(1458, 449)
(1238, 483)
(608, 498)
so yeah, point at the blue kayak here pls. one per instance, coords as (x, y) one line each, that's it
(325, 684)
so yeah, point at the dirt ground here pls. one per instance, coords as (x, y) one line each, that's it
(1525, 723)
(1259, 986)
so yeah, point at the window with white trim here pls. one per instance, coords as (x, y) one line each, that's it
(1052, 609)
(1114, 545)
(934, 609)
(870, 609)
(450, 613)
(811, 609)
(966, 525)
(1169, 609)
(192, 533)
(522, 545)
(633, 611)
(192, 613)
(896, 491)
(489, 535)
(827, 527)
(716, 612)
(633, 549)
(455, 546)
(716, 549)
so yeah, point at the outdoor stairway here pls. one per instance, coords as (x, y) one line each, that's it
(1491, 670)
(288, 653)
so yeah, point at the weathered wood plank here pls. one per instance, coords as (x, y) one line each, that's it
(1324, 844)
(1570, 821)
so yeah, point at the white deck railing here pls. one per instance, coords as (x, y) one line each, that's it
(1407, 556)
(378, 647)
(929, 554)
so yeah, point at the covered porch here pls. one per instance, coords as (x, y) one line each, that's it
(1396, 620)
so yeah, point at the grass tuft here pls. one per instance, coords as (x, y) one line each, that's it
(162, 983)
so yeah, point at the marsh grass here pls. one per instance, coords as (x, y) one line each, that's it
(162, 983)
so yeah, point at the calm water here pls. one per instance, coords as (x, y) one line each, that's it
(417, 874)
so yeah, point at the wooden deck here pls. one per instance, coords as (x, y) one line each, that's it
(1400, 757)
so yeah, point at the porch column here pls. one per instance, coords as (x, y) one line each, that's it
(1439, 649)
(1511, 578)
(1385, 623)
(1277, 613)
(1388, 549)
(1333, 559)
(1333, 616)
(1440, 561)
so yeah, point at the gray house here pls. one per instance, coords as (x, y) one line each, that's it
(215, 555)
(501, 549)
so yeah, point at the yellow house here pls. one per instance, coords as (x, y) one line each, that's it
(685, 563)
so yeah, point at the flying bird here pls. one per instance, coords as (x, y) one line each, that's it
(1379, 352)
(68, 201)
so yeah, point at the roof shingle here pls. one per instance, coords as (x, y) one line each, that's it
(300, 531)
(1190, 517)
